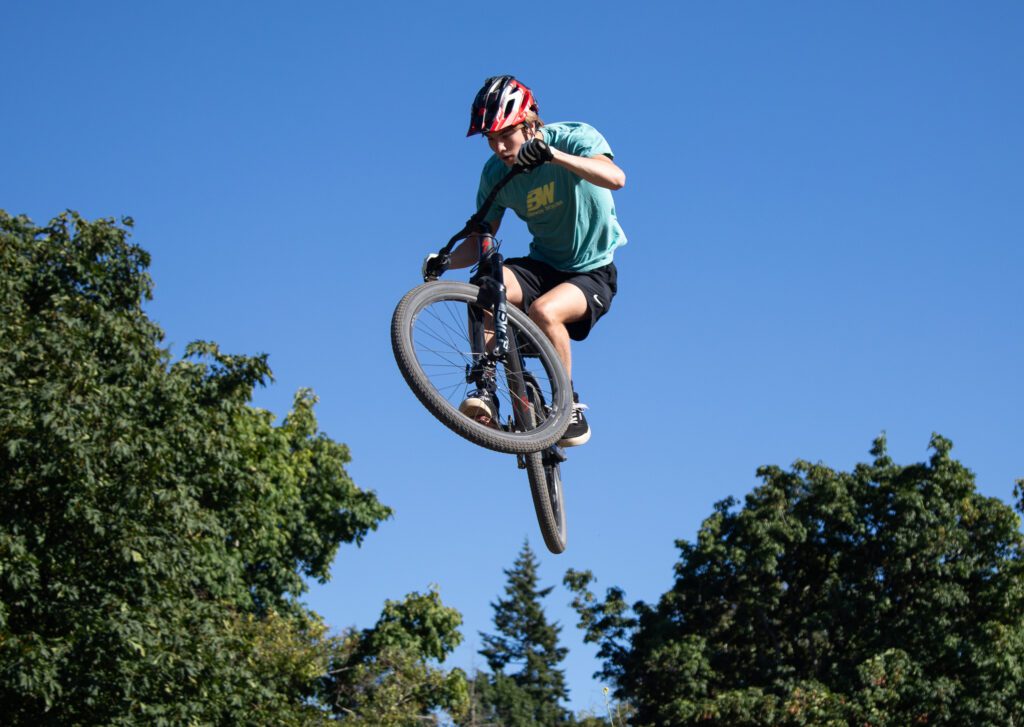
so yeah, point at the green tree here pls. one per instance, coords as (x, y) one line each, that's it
(889, 595)
(155, 529)
(526, 686)
(387, 676)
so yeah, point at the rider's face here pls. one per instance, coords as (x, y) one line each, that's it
(506, 143)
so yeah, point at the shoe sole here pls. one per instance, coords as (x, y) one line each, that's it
(478, 411)
(575, 441)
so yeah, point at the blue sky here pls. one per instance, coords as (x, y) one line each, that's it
(824, 206)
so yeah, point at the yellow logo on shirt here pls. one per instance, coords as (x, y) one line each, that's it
(539, 198)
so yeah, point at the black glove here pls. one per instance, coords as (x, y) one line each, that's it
(434, 266)
(533, 153)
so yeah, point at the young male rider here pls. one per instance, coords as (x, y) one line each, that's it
(568, 280)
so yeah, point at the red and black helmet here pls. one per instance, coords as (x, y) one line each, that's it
(501, 102)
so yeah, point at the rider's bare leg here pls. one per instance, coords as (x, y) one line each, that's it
(551, 312)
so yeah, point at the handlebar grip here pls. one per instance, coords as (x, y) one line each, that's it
(435, 266)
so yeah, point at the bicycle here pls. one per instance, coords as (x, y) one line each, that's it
(447, 336)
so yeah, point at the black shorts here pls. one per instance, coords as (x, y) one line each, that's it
(599, 286)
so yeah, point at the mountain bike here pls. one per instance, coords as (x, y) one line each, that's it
(449, 336)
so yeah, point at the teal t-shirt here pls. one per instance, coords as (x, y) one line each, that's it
(572, 221)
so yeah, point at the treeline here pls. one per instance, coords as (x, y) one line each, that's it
(156, 531)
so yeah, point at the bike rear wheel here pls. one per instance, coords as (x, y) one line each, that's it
(431, 342)
(545, 475)
(548, 499)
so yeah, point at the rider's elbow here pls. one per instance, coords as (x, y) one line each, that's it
(617, 181)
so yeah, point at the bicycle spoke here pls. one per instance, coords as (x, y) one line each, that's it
(448, 335)
(446, 353)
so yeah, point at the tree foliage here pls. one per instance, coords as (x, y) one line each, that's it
(387, 676)
(526, 686)
(889, 595)
(155, 529)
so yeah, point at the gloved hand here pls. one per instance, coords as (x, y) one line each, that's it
(434, 266)
(533, 153)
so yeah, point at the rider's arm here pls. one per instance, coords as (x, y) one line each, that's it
(469, 249)
(599, 170)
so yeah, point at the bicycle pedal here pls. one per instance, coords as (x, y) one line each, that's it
(556, 454)
(521, 461)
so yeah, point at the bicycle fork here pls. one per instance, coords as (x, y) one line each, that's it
(489, 279)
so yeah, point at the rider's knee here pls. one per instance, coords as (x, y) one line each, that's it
(543, 313)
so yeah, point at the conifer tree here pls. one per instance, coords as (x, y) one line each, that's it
(526, 686)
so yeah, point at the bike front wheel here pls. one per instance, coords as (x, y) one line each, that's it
(430, 338)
